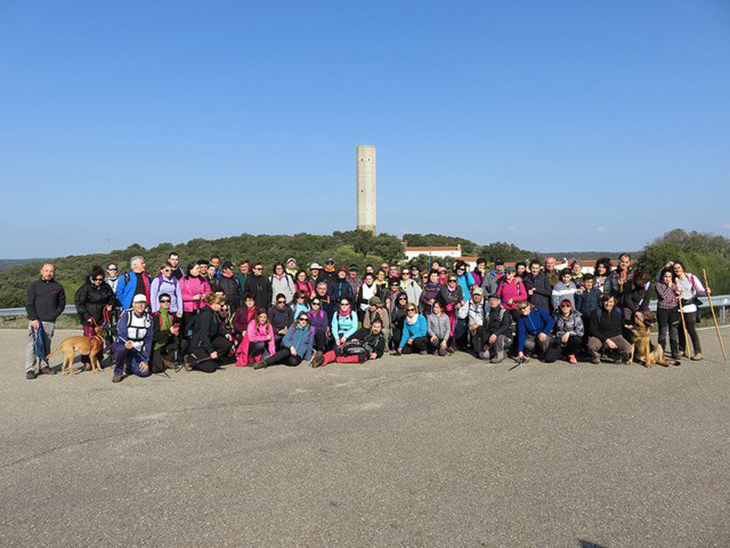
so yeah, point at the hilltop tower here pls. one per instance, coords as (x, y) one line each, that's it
(365, 169)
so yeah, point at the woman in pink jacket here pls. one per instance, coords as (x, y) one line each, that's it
(194, 288)
(511, 291)
(258, 341)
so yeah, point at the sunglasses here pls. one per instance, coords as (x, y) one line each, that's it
(402, 298)
(316, 303)
(345, 304)
(565, 306)
(406, 273)
(305, 320)
(165, 300)
(98, 279)
(452, 279)
(111, 269)
(280, 302)
(258, 268)
(300, 298)
(410, 310)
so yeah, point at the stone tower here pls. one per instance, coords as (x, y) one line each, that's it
(365, 168)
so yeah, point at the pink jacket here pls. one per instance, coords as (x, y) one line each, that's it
(190, 287)
(514, 290)
(252, 335)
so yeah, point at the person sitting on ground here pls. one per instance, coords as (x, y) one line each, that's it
(167, 343)
(491, 281)
(258, 343)
(302, 283)
(227, 284)
(564, 289)
(472, 315)
(534, 331)
(430, 292)
(439, 330)
(165, 282)
(415, 333)
(133, 345)
(604, 331)
(301, 303)
(320, 324)
(365, 345)
(135, 282)
(512, 291)
(210, 346)
(367, 291)
(538, 286)
(496, 334)
(344, 322)
(281, 317)
(377, 311)
(569, 331)
(93, 300)
(282, 283)
(297, 345)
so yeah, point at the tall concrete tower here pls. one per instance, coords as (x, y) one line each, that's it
(365, 168)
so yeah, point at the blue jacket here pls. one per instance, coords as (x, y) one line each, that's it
(465, 282)
(344, 326)
(538, 321)
(127, 287)
(301, 339)
(418, 329)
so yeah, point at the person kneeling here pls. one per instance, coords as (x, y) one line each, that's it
(133, 346)
(605, 330)
(168, 345)
(364, 345)
(210, 346)
(415, 333)
(569, 333)
(439, 330)
(496, 333)
(297, 345)
(534, 328)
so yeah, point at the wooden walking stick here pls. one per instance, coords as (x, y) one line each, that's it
(714, 318)
(684, 327)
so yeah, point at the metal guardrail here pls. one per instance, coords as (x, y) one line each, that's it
(720, 302)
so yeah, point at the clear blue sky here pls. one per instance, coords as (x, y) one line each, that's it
(554, 125)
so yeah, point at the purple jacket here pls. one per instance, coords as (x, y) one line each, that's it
(318, 320)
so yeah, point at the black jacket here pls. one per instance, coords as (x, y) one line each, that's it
(260, 289)
(207, 327)
(281, 318)
(543, 290)
(45, 301)
(91, 300)
(498, 321)
(231, 288)
(339, 289)
(604, 325)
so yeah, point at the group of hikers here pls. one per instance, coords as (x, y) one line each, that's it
(211, 314)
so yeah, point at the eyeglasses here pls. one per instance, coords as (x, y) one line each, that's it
(258, 268)
(316, 303)
(166, 270)
(164, 300)
(405, 273)
(565, 306)
(410, 309)
(280, 302)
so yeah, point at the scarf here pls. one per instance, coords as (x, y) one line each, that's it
(412, 320)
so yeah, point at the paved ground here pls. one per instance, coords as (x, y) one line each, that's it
(406, 452)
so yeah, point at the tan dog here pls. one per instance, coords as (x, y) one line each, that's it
(643, 349)
(85, 346)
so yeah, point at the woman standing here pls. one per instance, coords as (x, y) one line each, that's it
(367, 291)
(194, 288)
(430, 292)
(92, 300)
(690, 287)
(667, 312)
(398, 318)
(302, 283)
(165, 282)
(601, 273)
(452, 298)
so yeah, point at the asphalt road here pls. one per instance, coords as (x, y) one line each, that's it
(419, 451)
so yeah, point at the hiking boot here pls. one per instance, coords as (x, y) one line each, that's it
(422, 353)
(117, 378)
(451, 350)
(680, 354)
(572, 359)
(697, 357)
(483, 355)
(86, 367)
(496, 360)
(168, 364)
(260, 365)
(47, 371)
(31, 374)
(317, 360)
(595, 360)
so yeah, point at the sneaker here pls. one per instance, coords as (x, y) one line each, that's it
(595, 360)
(572, 359)
(86, 367)
(260, 365)
(496, 360)
(697, 357)
(680, 354)
(48, 371)
(31, 374)
(450, 350)
(483, 355)
(422, 353)
(317, 360)
(117, 378)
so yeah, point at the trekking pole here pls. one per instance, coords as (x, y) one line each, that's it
(714, 317)
(684, 328)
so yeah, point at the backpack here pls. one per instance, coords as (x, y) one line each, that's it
(355, 348)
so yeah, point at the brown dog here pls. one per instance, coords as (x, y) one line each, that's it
(644, 351)
(85, 346)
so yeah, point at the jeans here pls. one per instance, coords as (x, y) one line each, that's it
(668, 320)
(33, 362)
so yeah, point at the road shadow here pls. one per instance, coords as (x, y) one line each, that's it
(588, 544)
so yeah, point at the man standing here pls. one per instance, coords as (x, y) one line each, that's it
(550, 271)
(133, 346)
(491, 281)
(244, 270)
(227, 284)
(259, 286)
(214, 270)
(177, 270)
(45, 301)
(133, 283)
